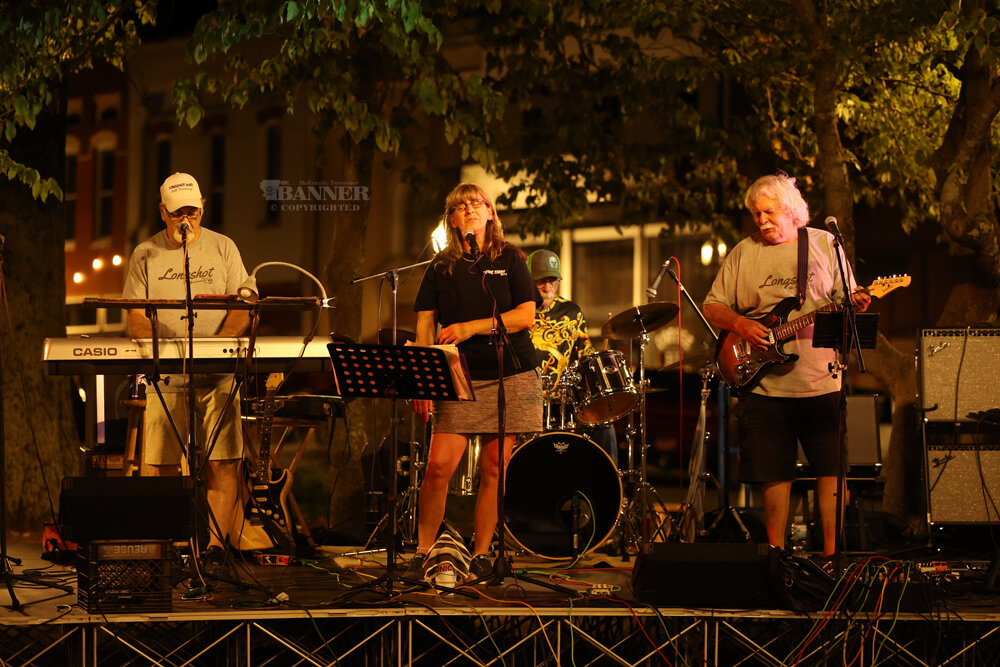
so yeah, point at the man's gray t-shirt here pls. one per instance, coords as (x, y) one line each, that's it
(756, 276)
(156, 271)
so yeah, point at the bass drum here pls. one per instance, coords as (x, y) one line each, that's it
(553, 478)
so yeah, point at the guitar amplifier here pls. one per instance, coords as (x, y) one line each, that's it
(963, 472)
(958, 372)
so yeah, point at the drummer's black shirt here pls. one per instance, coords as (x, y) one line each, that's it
(461, 297)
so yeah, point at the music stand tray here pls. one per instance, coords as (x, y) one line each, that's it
(829, 328)
(392, 371)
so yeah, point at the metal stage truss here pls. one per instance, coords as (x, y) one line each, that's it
(417, 635)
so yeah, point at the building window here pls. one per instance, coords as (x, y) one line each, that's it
(272, 168)
(218, 180)
(602, 279)
(104, 192)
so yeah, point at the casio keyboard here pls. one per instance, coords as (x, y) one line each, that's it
(118, 355)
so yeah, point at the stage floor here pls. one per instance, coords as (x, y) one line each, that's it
(324, 608)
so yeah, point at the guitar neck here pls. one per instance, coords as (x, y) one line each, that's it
(789, 329)
(263, 471)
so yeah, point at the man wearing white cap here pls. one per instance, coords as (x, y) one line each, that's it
(156, 271)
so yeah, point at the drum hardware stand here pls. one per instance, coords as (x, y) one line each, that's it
(639, 508)
(408, 513)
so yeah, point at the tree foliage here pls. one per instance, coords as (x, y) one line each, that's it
(43, 43)
(363, 68)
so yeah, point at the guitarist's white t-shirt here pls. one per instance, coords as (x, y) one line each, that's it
(756, 276)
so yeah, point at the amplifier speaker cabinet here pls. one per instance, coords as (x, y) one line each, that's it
(963, 472)
(726, 576)
(125, 508)
(959, 372)
(864, 451)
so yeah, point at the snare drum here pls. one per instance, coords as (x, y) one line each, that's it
(605, 391)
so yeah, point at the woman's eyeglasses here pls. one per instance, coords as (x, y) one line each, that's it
(472, 203)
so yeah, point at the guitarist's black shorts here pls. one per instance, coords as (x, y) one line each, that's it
(770, 428)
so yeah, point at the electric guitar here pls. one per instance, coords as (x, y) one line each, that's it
(269, 488)
(742, 365)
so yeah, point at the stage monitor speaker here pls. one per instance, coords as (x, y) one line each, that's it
(864, 451)
(958, 372)
(961, 481)
(126, 508)
(714, 575)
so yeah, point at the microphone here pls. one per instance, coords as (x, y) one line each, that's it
(470, 238)
(831, 224)
(185, 229)
(651, 291)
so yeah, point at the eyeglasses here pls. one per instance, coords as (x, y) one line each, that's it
(179, 215)
(472, 203)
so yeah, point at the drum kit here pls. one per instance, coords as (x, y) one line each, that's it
(565, 496)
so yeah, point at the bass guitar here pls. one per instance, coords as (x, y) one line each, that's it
(269, 487)
(742, 365)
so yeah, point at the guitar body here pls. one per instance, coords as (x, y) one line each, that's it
(741, 365)
(267, 509)
(247, 536)
(267, 505)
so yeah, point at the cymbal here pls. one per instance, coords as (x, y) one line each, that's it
(691, 360)
(638, 320)
(402, 336)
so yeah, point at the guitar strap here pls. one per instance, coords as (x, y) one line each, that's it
(803, 264)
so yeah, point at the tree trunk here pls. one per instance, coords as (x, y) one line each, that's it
(345, 262)
(38, 432)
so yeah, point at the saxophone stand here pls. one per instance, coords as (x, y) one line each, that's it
(394, 372)
(692, 514)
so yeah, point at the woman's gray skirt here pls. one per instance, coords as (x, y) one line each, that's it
(524, 407)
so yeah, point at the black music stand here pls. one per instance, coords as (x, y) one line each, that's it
(828, 330)
(392, 371)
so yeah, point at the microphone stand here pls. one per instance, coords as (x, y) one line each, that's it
(194, 466)
(502, 565)
(392, 500)
(849, 338)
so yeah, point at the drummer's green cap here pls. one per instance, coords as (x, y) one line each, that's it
(544, 264)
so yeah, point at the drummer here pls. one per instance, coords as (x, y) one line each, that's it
(560, 336)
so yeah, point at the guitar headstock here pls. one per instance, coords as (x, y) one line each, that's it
(274, 381)
(883, 286)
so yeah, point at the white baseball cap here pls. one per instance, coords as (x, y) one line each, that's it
(180, 190)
